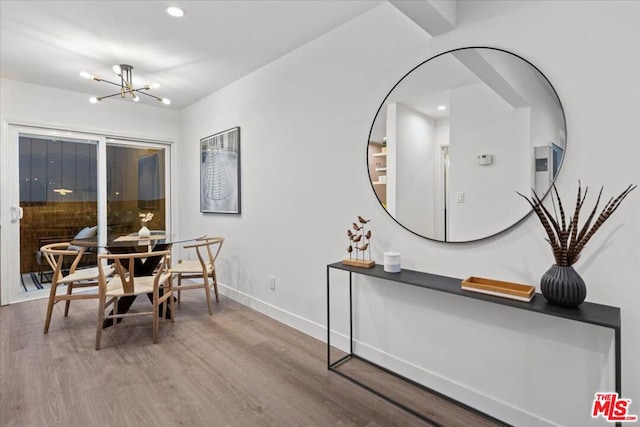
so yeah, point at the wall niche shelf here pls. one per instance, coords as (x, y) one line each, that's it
(377, 163)
(591, 313)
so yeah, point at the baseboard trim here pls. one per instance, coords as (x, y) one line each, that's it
(444, 385)
(293, 320)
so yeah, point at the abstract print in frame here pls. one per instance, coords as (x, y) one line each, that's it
(220, 172)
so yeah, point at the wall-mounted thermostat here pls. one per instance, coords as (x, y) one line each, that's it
(485, 159)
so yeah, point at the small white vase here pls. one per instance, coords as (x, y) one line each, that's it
(144, 232)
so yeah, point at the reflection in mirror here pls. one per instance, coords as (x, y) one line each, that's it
(458, 136)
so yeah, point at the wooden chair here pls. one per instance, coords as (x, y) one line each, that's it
(207, 250)
(59, 257)
(125, 283)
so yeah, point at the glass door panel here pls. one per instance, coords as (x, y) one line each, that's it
(58, 197)
(135, 185)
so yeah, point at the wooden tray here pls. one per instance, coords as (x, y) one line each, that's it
(498, 288)
(367, 263)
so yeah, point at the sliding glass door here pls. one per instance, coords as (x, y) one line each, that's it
(59, 185)
(136, 184)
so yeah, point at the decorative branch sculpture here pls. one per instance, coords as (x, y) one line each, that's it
(360, 241)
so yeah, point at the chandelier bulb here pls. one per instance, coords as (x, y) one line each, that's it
(166, 101)
(154, 85)
(93, 100)
(116, 69)
(86, 75)
(136, 98)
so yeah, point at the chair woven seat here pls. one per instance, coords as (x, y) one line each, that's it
(90, 273)
(143, 285)
(58, 255)
(190, 267)
(207, 250)
(126, 283)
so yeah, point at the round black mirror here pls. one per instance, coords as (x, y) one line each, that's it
(457, 136)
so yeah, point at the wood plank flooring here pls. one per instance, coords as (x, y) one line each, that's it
(235, 368)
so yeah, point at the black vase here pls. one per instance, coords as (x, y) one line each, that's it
(563, 286)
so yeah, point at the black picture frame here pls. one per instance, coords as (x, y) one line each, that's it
(220, 172)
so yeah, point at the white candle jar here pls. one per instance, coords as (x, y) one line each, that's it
(392, 262)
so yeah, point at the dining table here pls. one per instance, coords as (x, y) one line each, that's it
(159, 240)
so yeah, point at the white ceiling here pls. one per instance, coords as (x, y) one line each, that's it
(214, 44)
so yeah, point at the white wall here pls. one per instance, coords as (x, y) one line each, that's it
(305, 120)
(392, 157)
(483, 123)
(411, 167)
(45, 106)
(34, 105)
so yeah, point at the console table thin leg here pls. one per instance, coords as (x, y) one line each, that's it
(350, 313)
(328, 322)
(618, 350)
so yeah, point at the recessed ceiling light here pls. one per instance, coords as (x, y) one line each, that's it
(175, 11)
(442, 107)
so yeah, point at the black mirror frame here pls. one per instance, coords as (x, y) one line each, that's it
(517, 222)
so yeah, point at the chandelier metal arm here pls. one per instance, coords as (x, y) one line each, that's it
(100, 98)
(98, 79)
(125, 85)
(140, 91)
(149, 95)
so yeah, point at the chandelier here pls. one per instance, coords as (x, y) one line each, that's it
(125, 72)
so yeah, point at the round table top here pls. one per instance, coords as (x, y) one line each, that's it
(158, 237)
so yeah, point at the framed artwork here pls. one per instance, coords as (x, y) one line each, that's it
(220, 172)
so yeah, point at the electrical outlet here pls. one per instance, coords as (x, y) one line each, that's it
(272, 283)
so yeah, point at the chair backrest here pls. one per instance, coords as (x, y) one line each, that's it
(56, 253)
(124, 265)
(212, 245)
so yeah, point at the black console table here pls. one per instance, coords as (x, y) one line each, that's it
(595, 314)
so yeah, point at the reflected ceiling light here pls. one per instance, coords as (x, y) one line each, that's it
(442, 107)
(174, 11)
(125, 72)
(62, 191)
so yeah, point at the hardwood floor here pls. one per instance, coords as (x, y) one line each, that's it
(235, 368)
